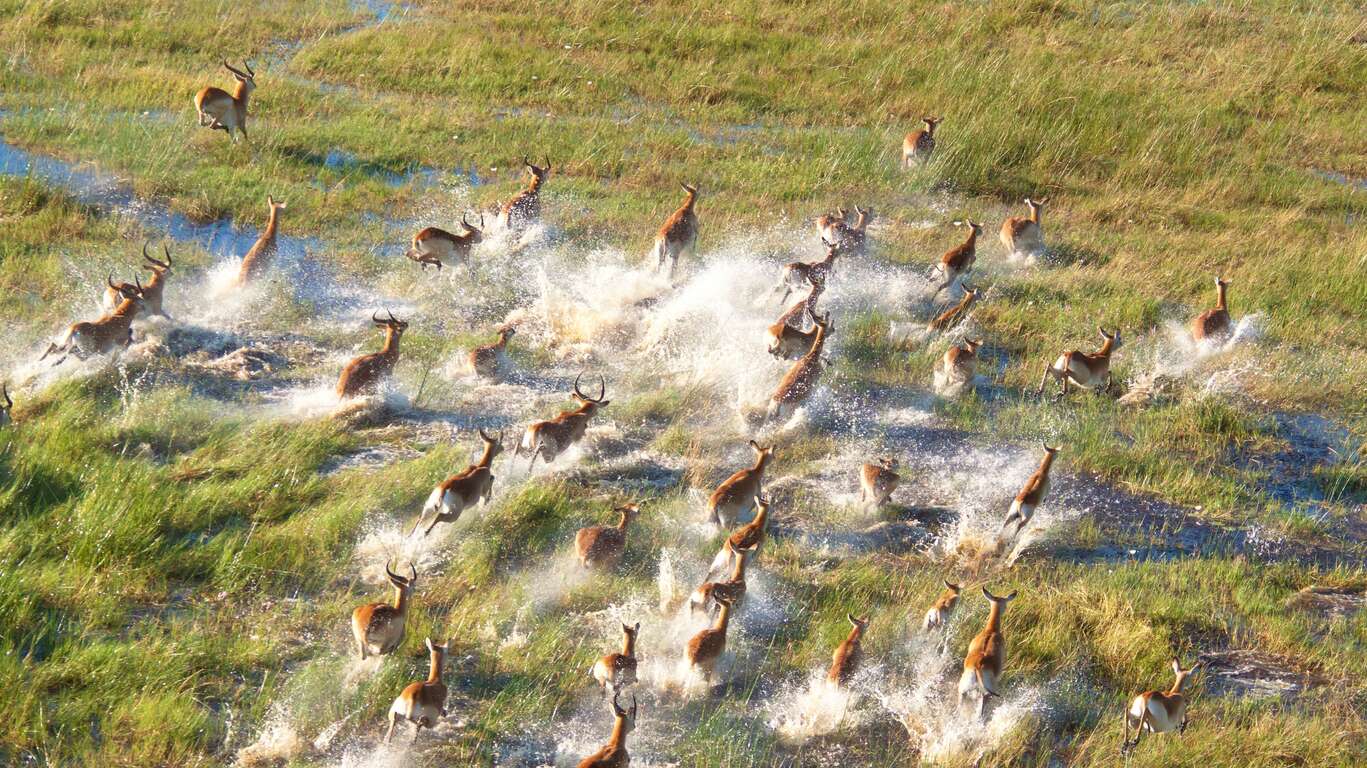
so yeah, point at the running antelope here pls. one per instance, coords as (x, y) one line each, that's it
(746, 538)
(734, 496)
(955, 314)
(1023, 235)
(259, 258)
(1156, 711)
(422, 703)
(958, 366)
(798, 274)
(845, 660)
(706, 647)
(98, 337)
(7, 407)
(1080, 369)
(614, 753)
(878, 481)
(938, 615)
(524, 209)
(367, 372)
(679, 232)
(830, 225)
(986, 655)
(548, 439)
(151, 291)
(220, 110)
(488, 360)
(379, 627)
(1030, 496)
(615, 671)
(853, 238)
(462, 491)
(787, 341)
(802, 378)
(705, 597)
(957, 261)
(918, 146)
(602, 546)
(433, 246)
(1214, 324)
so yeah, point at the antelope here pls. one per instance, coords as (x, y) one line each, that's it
(365, 373)
(462, 491)
(787, 341)
(151, 291)
(959, 364)
(734, 496)
(986, 654)
(422, 703)
(487, 360)
(919, 145)
(618, 670)
(1023, 507)
(845, 660)
(938, 615)
(679, 233)
(706, 647)
(802, 378)
(258, 259)
(733, 589)
(548, 439)
(1023, 235)
(524, 209)
(98, 337)
(379, 627)
(7, 407)
(853, 238)
(602, 546)
(1158, 712)
(614, 753)
(952, 316)
(830, 225)
(958, 260)
(1081, 369)
(220, 110)
(1213, 323)
(432, 246)
(878, 481)
(796, 274)
(746, 538)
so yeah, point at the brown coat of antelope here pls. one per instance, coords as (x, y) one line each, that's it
(847, 656)
(98, 337)
(262, 252)
(852, 239)
(787, 341)
(379, 627)
(986, 655)
(1023, 236)
(955, 314)
(957, 261)
(743, 539)
(462, 491)
(548, 439)
(959, 364)
(487, 361)
(1024, 505)
(424, 702)
(679, 233)
(1158, 711)
(919, 145)
(152, 290)
(220, 110)
(799, 274)
(937, 617)
(801, 380)
(706, 647)
(614, 753)
(878, 481)
(1080, 369)
(830, 225)
(602, 546)
(433, 246)
(1214, 324)
(615, 671)
(367, 372)
(734, 496)
(705, 597)
(524, 209)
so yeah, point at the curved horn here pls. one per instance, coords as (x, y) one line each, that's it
(576, 385)
(547, 161)
(137, 282)
(481, 219)
(485, 436)
(392, 318)
(390, 572)
(1046, 447)
(951, 585)
(617, 708)
(602, 388)
(414, 570)
(8, 402)
(527, 162)
(148, 257)
(248, 65)
(110, 280)
(375, 317)
(853, 620)
(235, 70)
(463, 221)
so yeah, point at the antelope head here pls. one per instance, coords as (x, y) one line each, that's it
(246, 80)
(539, 173)
(403, 585)
(158, 267)
(889, 463)
(931, 122)
(493, 445)
(1181, 675)
(1110, 342)
(591, 404)
(472, 234)
(131, 293)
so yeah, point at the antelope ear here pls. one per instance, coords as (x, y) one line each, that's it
(1176, 667)
(429, 644)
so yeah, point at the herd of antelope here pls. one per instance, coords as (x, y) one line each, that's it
(739, 506)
